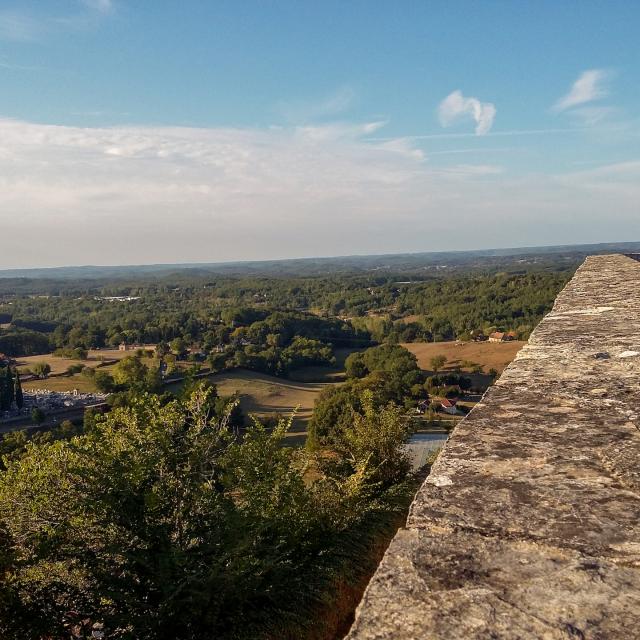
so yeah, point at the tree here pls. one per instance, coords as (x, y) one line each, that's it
(89, 419)
(37, 415)
(375, 442)
(178, 347)
(216, 361)
(162, 349)
(160, 523)
(6, 389)
(438, 362)
(18, 395)
(332, 414)
(41, 369)
(104, 381)
(130, 372)
(354, 366)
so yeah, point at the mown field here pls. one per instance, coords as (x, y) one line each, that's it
(101, 358)
(62, 383)
(266, 396)
(490, 355)
(60, 365)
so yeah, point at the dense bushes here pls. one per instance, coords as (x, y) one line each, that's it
(160, 524)
(24, 343)
(389, 373)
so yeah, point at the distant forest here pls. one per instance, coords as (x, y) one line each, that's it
(273, 323)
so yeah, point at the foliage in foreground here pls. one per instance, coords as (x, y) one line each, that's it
(158, 523)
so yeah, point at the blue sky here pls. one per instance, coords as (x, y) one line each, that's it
(242, 130)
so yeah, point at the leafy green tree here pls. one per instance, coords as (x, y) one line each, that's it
(160, 524)
(162, 349)
(437, 362)
(41, 369)
(216, 361)
(375, 440)
(89, 419)
(355, 367)
(178, 347)
(332, 413)
(6, 388)
(18, 395)
(37, 415)
(104, 381)
(386, 357)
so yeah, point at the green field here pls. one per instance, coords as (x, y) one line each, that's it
(263, 396)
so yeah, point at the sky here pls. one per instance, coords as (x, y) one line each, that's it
(138, 131)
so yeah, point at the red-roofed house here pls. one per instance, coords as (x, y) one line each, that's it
(449, 406)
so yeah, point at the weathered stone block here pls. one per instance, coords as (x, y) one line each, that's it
(529, 524)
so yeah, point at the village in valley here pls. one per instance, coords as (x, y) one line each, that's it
(54, 387)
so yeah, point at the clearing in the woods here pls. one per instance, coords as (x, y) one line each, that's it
(266, 396)
(490, 355)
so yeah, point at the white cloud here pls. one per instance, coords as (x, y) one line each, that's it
(73, 195)
(456, 106)
(587, 88)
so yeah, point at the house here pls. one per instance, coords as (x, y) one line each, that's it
(501, 336)
(123, 346)
(422, 407)
(449, 406)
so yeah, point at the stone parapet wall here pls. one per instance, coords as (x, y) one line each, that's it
(529, 523)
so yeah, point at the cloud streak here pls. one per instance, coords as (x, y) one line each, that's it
(101, 6)
(455, 107)
(171, 194)
(330, 106)
(18, 26)
(23, 25)
(587, 88)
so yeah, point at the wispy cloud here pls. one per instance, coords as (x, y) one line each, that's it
(25, 25)
(102, 6)
(455, 106)
(5, 64)
(19, 26)
(330, 106)
(498, 134)
(588, 87)
(228, 194)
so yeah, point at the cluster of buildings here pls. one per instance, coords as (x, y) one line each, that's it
(53, 401)
(496, 336)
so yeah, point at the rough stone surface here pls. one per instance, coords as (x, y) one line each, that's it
(529, 524)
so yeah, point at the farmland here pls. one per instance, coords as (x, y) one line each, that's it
(490, 355)
(263, 395)
(60, 365)
(57, 381)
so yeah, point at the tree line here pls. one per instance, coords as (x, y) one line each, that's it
(266, 314)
